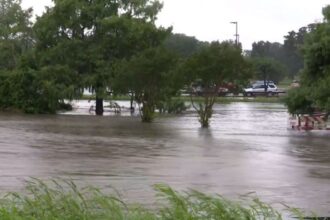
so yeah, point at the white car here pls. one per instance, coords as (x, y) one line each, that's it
(259, 89)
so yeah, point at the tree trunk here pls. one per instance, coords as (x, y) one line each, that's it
(99, 106)
(265, 83)
(132, 107)
(147, 113)
(204, 116)
(205, 110)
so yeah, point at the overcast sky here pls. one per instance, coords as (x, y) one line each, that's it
(209, 20)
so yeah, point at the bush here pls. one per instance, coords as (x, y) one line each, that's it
(172, 106)
(34, 91)
(299, 101)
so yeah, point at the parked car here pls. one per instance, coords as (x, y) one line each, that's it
(222, 91)
(259, 89)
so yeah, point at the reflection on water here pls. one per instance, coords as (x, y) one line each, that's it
(247, 149)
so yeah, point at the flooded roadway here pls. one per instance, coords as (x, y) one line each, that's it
(247, 149)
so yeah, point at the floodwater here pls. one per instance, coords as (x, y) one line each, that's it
(247, 149)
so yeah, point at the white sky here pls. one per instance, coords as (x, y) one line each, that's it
(209, 20)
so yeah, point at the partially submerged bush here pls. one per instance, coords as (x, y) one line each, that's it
(65, 201)
(172, 106)
(299, 101)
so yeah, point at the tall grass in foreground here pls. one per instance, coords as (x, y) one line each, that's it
(64, 201)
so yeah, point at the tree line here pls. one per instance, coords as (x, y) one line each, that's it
(304, 56)
(102, 44)
(314, 93)
(285, 60)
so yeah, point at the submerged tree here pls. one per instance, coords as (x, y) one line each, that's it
(213, 66)
(89, 37)
(149, 76)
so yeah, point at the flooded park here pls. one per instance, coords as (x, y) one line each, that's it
(247, 149)
(164, 110)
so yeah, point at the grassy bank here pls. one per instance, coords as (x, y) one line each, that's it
(64, 201)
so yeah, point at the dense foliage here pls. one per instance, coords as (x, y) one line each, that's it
(74, 45)
(15, 41)
(24, 85)
(266, 49)
(183, 45)
(35, 91)
(15, 33)
(314, 93)
(289, 55)
(268, 69)
(89, 37)
(149, 77)
(115, 46)
(102, 45)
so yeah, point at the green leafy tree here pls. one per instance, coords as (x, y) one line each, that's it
(213, 66)
(269, 61)
(293, 56)
(266, 49)
(150, 77)
(33, 92)
(183, 45)
(298, 101)
(289, 54)
(268, 70)
(89, 37)
(15, 33)
(16, 42)
(314, 93)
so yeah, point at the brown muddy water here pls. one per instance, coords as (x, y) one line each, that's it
(247, 149)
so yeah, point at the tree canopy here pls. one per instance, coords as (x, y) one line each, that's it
(289, 54)
(115, 45)
(183, 45)
(15, 33)
(268, 69)
(149, 76)
(314, 93)
(266, 49)
(89, 37)
(17, 87)
(74, 45)
(213, 66)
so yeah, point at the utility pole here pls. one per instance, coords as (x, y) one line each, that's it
(236, 35)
